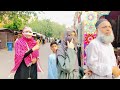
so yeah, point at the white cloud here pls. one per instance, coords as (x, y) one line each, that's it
(62, 17)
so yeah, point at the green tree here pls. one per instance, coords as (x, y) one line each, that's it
(17, 19)
(57, 29)
(47, 27)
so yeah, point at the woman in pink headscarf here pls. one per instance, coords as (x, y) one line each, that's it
(26, 56)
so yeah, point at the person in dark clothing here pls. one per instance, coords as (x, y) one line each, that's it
(43, 41)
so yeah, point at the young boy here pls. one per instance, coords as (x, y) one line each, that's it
(52, 69)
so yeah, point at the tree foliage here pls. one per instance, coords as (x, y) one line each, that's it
(16, 20)
(47, 27)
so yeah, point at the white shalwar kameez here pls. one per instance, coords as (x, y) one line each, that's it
(100, 59)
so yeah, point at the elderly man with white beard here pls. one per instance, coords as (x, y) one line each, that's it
(101, 60)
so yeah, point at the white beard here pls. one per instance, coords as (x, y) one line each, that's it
(104, 38)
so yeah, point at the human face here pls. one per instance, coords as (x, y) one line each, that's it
(27, 33)
(105, 38)
(72, 35)
(105, 28)
(54, 48)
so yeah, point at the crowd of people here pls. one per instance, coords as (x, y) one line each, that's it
(63, 62)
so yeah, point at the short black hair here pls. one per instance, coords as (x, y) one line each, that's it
(53, 42)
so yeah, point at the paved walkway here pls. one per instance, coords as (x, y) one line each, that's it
(7, 62)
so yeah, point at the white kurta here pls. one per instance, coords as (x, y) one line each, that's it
(100, 59)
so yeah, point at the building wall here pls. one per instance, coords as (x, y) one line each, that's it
(10, 37)
(3, 38)
(6, 37)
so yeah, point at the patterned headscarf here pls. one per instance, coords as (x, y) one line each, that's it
(20, 50)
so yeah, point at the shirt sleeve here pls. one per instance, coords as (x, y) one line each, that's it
(114, 57)
(27, 53)
(50, 71)
(101, 69)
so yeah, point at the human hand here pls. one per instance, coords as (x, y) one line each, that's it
(88, 72)
(34, 60)
(38, 42)
(115, 71)
(37, 46)
(70, 44)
